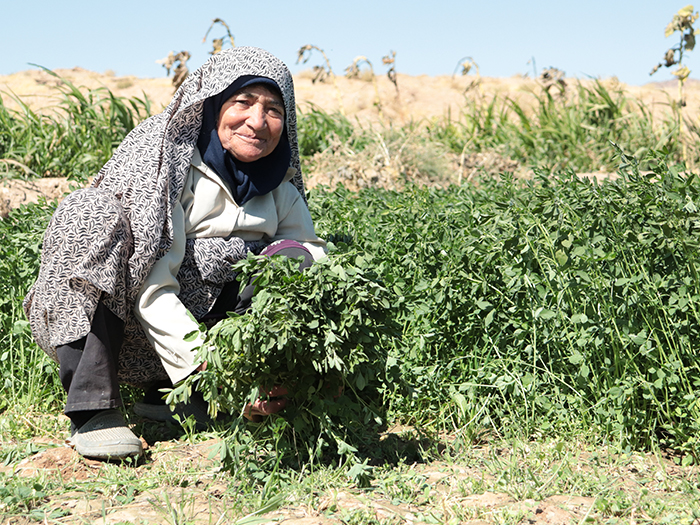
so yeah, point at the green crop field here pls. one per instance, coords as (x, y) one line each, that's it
(502, 341)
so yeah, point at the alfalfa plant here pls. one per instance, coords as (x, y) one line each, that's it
(464, 66)
(218, 43)
(682, 23)
(323, 334)
(321, 73)
(181, 71)
(353, 71)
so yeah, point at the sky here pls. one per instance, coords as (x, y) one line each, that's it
(583, 38)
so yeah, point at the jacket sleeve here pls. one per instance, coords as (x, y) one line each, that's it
(163, 316)
(295, 221)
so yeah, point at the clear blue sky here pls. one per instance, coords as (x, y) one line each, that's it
(599, 38)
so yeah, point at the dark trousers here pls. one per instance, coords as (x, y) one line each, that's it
(88, 367)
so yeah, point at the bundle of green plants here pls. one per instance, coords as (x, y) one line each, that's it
(321, 334)
(73, 138)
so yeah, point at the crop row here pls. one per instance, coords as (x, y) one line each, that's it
(552, 306)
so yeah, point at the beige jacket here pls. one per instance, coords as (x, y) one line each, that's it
(206, 209)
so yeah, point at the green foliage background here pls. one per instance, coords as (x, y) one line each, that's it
(556, 305)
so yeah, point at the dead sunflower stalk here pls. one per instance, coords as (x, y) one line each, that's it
(682, 23)
(465, 65)
(390, 60)
(181, 71)
(553, 77)
(218, 43)
(321, 72)
(353, 71)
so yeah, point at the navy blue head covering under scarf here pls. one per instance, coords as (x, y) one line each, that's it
(245, 179)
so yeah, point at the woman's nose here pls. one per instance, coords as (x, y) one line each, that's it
(256, 117)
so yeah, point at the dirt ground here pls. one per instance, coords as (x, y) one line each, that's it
(466, 492)
(207, 502)
(413, 99)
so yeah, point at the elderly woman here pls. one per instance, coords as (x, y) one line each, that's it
(130, 263)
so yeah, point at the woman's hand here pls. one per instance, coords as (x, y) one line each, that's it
(261, 408)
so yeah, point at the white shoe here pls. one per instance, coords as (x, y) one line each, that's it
(106, 436)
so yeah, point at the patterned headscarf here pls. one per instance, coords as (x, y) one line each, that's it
(148, 170)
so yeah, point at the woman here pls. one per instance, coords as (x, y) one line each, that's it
(187, 193)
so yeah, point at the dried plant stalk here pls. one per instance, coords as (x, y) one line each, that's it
(218, 43)
(181, 70)
(390, 60)
(321, 74)
(682, 23)
(464, 66)
(353, 71)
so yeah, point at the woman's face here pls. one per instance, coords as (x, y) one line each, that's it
(251, 123)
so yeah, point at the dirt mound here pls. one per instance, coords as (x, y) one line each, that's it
(365, 100)
(413, 98)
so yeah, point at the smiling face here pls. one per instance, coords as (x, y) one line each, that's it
(251, 123)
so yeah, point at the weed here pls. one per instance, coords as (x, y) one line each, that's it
(74, 139)
(561, 132)
(27, 374)
(318, 130)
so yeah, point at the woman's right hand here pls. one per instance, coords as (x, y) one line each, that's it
(265, 407)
